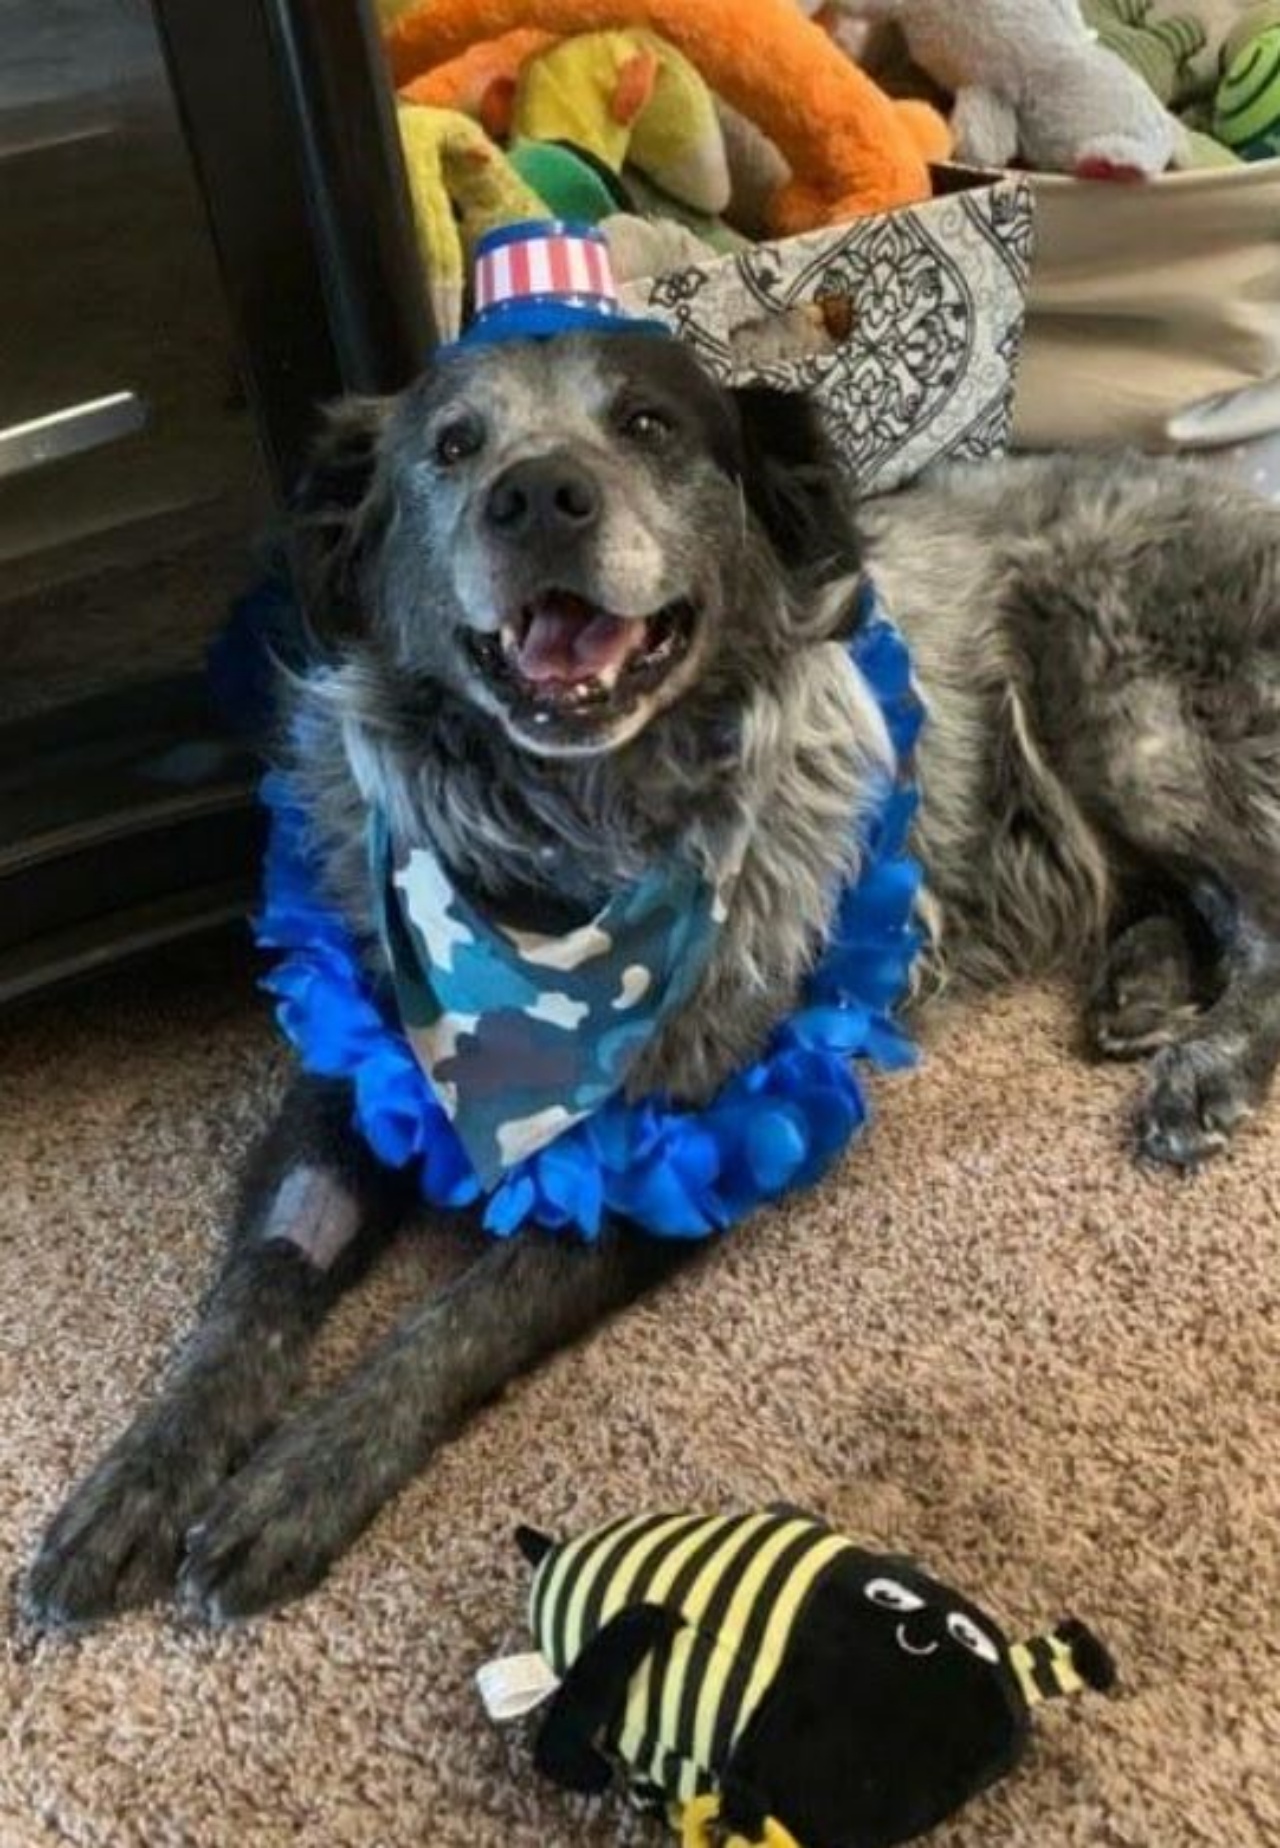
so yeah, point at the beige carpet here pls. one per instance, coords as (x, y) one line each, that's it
(989, 1341)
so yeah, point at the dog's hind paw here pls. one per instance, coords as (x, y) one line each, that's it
(1197, 1096)
(116, 1541)
(1146, 994)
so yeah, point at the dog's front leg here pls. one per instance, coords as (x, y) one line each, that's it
(276, 1528)
(313, 1206)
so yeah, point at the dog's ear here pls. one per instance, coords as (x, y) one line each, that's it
(794, 483)
(339, 514)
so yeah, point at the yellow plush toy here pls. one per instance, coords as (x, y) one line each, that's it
(629, 97)
(461, 186)
(850, 149)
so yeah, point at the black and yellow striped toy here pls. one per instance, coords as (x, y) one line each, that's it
(765, 1681)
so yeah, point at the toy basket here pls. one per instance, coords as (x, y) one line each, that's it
(906, 326)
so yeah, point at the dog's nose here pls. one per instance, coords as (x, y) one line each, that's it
(549, 494)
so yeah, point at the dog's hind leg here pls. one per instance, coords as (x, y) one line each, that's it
(1164, 723)
(277, 1527)
(1198, 796)
(1210, 1008)
(313, 1207)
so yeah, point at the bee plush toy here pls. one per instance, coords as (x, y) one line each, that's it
(769, 1683)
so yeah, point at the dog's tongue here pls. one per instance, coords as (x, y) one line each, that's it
(568, 640)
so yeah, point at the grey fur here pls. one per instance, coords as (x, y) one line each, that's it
(1099, 640)
(1099, 644)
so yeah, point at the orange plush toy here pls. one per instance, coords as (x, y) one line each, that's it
(482, 82)
(850, 148)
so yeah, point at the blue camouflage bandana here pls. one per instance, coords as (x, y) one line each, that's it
(523, 1035)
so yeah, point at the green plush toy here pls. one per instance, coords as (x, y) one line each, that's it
(1217, 18)
(1167, 51)
(1161, 50)
(571, 183)
(1247, 109)
(768, 1684)
(653, 203)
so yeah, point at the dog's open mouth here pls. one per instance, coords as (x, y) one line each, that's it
(562, 657)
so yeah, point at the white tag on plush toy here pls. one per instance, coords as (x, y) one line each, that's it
(515, 1685)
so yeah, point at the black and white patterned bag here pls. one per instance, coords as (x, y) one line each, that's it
(906, 327)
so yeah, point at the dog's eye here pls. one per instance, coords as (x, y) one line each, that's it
(458, 440)
(647, 426)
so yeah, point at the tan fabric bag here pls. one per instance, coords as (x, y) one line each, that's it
(1146, 299)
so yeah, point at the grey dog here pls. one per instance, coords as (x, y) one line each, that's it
(1098, 642)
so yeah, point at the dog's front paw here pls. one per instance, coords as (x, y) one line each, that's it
(1197, 1097)
(270, 1536)
(116, 1541)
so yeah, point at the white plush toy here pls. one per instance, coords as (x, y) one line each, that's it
(1032, 83)
(840, 21)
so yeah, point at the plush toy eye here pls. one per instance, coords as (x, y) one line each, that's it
(970, 1637)
(647, 426)
(458, 440)
(891, 1596)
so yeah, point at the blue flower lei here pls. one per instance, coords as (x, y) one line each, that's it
(677, 1173)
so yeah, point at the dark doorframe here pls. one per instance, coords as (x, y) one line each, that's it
(289, 118)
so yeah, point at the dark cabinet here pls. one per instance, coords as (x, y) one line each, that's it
(202, 236)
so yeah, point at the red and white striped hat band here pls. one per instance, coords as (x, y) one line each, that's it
(536, 280)
(571, 266)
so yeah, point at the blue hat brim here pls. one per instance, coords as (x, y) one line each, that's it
(543, 320)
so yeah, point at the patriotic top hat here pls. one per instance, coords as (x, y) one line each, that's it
(544, 278)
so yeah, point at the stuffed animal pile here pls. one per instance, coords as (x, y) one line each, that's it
(1097, 88)
(662, 121)
(1031, 82)
(684, 128)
